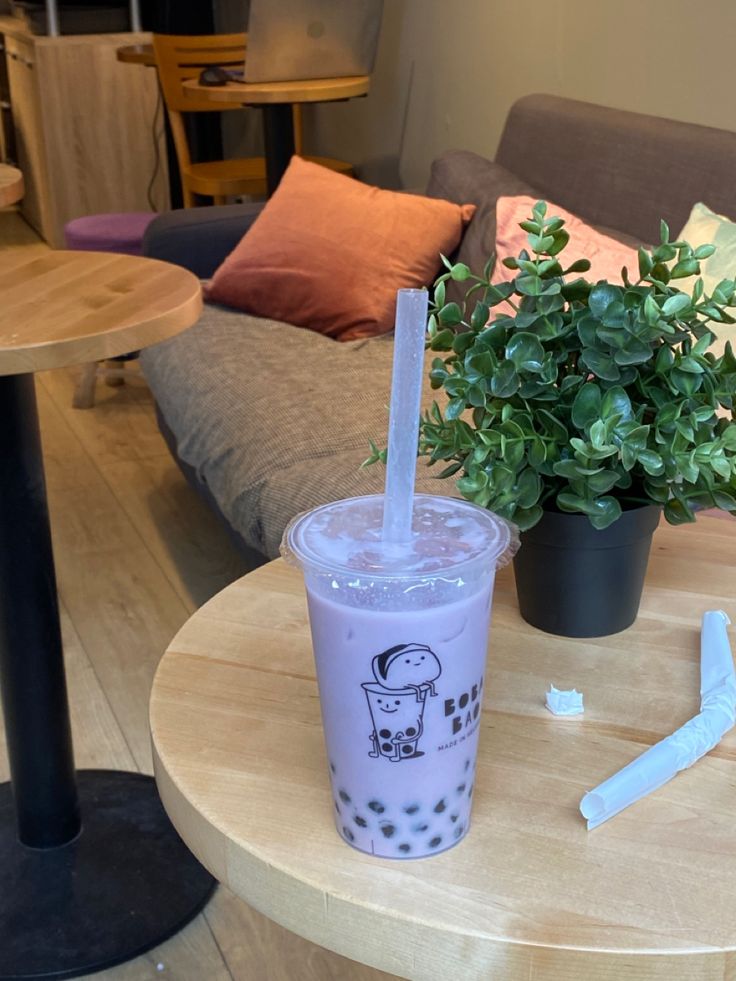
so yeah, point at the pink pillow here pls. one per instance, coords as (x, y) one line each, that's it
(607, 256)
(329, 253)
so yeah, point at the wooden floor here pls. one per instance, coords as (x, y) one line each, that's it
(136, 552)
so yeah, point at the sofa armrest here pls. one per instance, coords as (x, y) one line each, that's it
(199, 238)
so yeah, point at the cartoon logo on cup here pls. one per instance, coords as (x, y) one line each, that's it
(404, 675)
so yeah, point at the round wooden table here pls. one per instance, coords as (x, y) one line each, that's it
(277, 99)
(136, 54)
(91, 871)
(530, 893)
(11, 185)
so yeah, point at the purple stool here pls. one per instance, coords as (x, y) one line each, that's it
(122, 232)
(109, 233)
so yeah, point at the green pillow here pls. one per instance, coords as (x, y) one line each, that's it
(705, 227)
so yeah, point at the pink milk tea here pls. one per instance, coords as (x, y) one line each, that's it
(400, 634)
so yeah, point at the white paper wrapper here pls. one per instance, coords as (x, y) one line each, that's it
(564, 702)
(691, 741)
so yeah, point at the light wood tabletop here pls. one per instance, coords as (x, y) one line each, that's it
(265, 93)
(62, 308)
(530, 893)
(11, 185)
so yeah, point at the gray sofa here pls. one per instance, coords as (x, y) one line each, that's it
(268, 420)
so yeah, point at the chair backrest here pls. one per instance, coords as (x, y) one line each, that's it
(182, 57)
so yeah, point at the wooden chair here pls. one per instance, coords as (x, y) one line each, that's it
(179, 58)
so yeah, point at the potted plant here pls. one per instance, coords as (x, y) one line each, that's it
(580, 411)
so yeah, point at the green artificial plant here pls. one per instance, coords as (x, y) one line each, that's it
(584, 397)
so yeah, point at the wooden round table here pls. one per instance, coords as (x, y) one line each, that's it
(530, 893)
(136, 54)
(11, 185)
(91, 871)
(277, 99)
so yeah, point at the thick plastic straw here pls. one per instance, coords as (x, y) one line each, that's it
(697, 737)
(403, 423)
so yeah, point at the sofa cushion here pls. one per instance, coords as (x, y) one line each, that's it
(459, 175)
(272, 418)
(329, 253)
(607, 255)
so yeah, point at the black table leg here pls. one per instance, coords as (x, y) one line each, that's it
(92, 872)
(278, 136)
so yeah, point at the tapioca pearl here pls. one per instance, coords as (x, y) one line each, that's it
(344, 796)
(459, 830)
(467, 765)
(376, 806)
(385, 733)
(470, 790)
(407, 749)
(388, 830)
(360, 821)
(420, 828)
(411, 809)
(461, 788)
(386, 747)
(405, 847)
(337, 807)
(332, 767)
(435, 842)
(440, 806)
(454, 817)
(348, 833)
(411, 731)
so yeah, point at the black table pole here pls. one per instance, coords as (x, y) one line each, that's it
(278, 138)
(32, 679)
(92, 872)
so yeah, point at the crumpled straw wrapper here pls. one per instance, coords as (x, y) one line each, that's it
(564, 702)
(691, 741)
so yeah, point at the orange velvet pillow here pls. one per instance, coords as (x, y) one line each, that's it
(607, 255)
(329, 253)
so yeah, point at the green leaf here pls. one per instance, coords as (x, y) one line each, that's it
(616, 402)
(601, 296)
(645, 262)
(450, 315)
(505, 381)
(525, 351)
(677, 513)
(552, 426)
(460, 272)
(605, 510)
(687, 267)
(676, 304)
(664, 232)
(529, 285)
(561, 238)
(586, 407)
(600, 364)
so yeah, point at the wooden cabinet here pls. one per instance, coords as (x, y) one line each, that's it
(84, 126)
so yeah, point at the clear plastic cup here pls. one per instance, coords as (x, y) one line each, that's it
(400, 634)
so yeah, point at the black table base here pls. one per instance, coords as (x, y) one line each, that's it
(125, 884)
(92, 872)
(278, 138)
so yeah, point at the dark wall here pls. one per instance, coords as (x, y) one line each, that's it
(178, 16)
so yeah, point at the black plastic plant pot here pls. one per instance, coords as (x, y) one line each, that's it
(576, 581)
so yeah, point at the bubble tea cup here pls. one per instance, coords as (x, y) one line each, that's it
(400, 634)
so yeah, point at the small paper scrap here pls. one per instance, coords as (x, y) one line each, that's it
(564, 702)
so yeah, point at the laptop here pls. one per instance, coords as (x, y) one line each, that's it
(292, 40)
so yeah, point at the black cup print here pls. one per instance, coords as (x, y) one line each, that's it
(404, 676)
